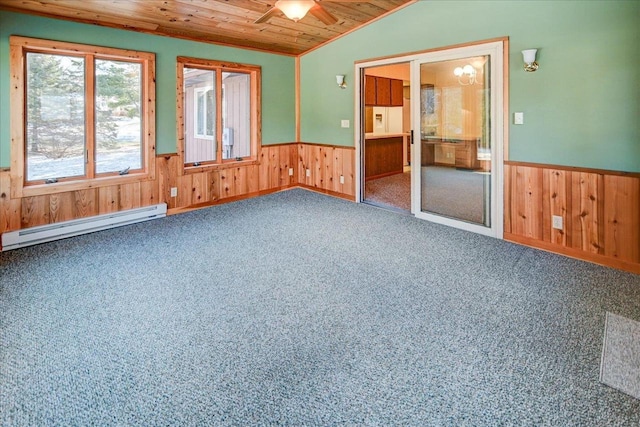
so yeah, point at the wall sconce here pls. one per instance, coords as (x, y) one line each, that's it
(530, 63)
(340, 81)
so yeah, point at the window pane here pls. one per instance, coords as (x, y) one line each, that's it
(200, 115)
(118, 113)
(236, 115)
(55, 116)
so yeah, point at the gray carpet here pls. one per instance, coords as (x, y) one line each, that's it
(301, 309)
(447, 191)
(455, 193)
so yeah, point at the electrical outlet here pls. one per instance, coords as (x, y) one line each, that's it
(556, 222)
(308, 172)
(290, 171)
(341, 179)
(174, 191)
(344, 123)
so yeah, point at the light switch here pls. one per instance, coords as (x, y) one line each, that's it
(518, 118)
(344, 123)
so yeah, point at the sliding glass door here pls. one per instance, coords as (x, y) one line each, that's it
(457, 137)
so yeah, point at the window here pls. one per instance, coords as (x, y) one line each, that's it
(82, 116)
(218, 110)
(204, 112)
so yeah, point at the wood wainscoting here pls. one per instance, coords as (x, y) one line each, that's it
(321, 167)
(600, 212)
(196, 189)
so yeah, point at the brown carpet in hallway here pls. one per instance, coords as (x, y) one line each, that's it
(394, 191)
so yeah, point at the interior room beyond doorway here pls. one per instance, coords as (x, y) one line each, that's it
(387, 142)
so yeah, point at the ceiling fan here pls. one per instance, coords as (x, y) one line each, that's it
(297, 9)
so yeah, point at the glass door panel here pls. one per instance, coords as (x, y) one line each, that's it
(455, 139)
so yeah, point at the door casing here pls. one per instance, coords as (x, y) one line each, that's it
(498, 49)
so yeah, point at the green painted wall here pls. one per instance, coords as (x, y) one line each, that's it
(278, 91)
(582, 106)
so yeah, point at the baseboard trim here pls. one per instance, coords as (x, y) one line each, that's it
(383, 175)
(344, 196)
(174, 211)
(604, 260)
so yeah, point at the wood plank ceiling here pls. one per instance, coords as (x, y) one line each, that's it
(228, 22)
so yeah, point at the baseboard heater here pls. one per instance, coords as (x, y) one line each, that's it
(61, 230)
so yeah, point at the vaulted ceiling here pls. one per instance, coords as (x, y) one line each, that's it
(228, 22)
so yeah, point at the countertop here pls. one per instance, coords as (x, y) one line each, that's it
(384, 135)
(440, 140)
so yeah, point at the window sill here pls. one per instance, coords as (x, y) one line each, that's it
(219, 166)
(76, 185)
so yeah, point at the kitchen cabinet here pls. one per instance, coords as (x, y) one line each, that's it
(397, 93)
(369, 90)
(466, 152)
(383, 92)
(383, 156)
(467, 155)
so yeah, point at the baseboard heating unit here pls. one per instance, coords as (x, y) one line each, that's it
(61, 230)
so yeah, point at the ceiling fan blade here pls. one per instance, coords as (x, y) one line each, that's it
(266, 16)
(321, 13)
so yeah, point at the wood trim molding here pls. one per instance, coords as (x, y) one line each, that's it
(321, 144)
(297, 98)
(435, 49)
(174, 211)
(505, 99)
(255, 111)
(19, 46)
(573, 253)
(279, 144)
(573, 168)
(327, 192)
(168, 155)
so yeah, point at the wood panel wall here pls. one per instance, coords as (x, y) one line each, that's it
(600, 211)
(320, 168)
(270, 173)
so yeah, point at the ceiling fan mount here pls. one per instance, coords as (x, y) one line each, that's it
(297, 9)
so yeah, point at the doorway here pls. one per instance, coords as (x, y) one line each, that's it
(387, 128)
(455, 137)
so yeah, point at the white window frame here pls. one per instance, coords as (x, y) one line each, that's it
(196, 109)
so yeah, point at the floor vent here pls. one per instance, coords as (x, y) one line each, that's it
(61, 230)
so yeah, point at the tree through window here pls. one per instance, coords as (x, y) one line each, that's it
(88, 112)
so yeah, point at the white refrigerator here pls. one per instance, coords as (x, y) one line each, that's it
(387, 120)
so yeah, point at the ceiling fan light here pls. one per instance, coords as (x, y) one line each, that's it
(295, 9)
